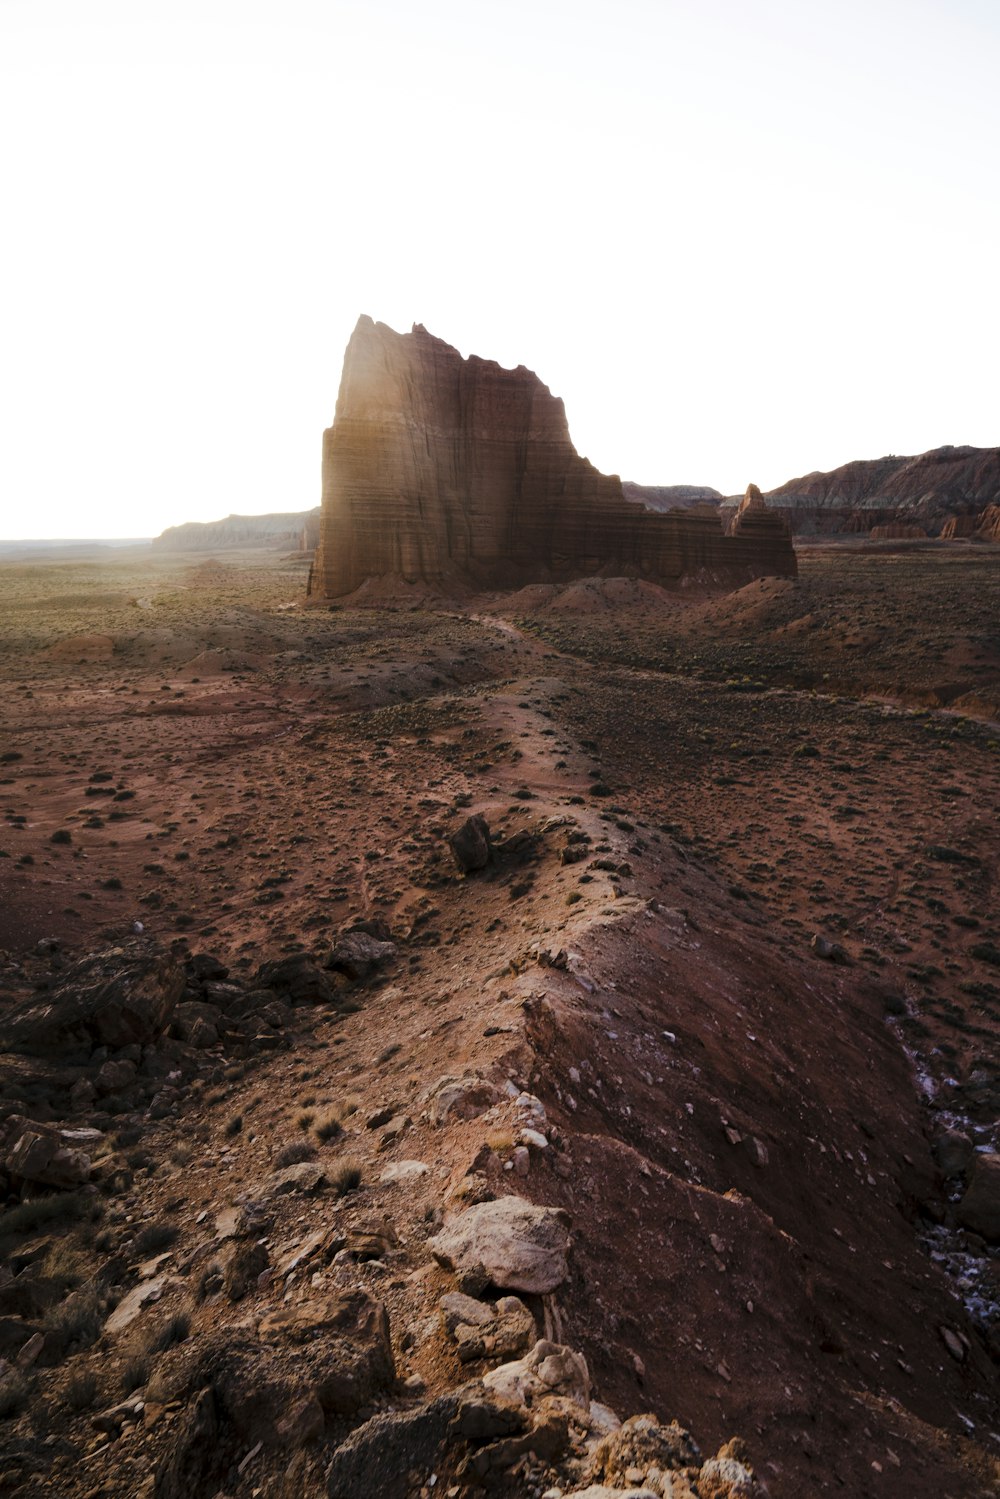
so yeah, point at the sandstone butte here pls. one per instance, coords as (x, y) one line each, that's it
(457, 473)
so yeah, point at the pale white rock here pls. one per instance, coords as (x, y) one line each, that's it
(404, 1171)
(516, 1245)
(549, 1369)
(603, 1420)
(131, 1305)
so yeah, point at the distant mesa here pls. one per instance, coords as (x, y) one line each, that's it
(457, 473)
(294, 530)
(949, 492)
(671, 496)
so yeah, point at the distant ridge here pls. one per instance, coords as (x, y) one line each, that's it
(60, 547)
(288, 529)
(928, 491)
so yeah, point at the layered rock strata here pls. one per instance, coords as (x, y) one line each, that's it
(928, 491)
(447, 471)
(278, 529)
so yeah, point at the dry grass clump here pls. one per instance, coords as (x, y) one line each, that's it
(78, 1319)
(67, 1264)
(346, 1178)
(328, 1126)
(174, 1330)
(80, 1390)
(135, 1373)
(14, 1390)
(154, 1238)
(294, 1152)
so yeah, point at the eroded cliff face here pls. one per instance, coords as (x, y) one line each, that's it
(449, 471)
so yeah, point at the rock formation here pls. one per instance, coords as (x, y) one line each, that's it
(278, 529)
(926, 491)
(959, 526)
(448, 471)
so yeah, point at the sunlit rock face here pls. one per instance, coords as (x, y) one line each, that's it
(455, 472)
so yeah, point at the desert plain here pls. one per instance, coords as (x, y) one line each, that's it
(718, 986)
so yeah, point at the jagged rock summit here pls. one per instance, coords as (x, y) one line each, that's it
(447, 471)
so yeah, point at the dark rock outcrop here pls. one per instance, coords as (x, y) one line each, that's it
(279, 529)
(447, 471)
(118, 997)
(927, 491)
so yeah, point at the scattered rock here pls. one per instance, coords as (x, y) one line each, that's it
(641, 1442)
(248, 1261)
(824, 948)
(404, 1173)
(132, 1304)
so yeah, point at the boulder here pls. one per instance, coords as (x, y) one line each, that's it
(979, 1209)
(549, 1369)
(115, 997)
(471, 845)
(509, 1243)
(953, 1151)
(343, 1346)
(453, 1098)
(40, 1154)
(304, 1176)
(483, 1331)
(197, 1023)
(359, 954)
(602, 1491)
(115, 1077)
(724, 1477)
(296, 977)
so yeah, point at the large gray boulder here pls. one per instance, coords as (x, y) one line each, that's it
(509, 1243)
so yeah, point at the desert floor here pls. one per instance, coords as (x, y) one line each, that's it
(740, 938)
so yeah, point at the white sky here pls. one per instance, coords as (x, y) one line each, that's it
(741, 240)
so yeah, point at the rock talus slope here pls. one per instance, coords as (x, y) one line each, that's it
(443, 470)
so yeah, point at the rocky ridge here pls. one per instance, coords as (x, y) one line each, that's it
(280, 529)
(947, 491)
(453, 472)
